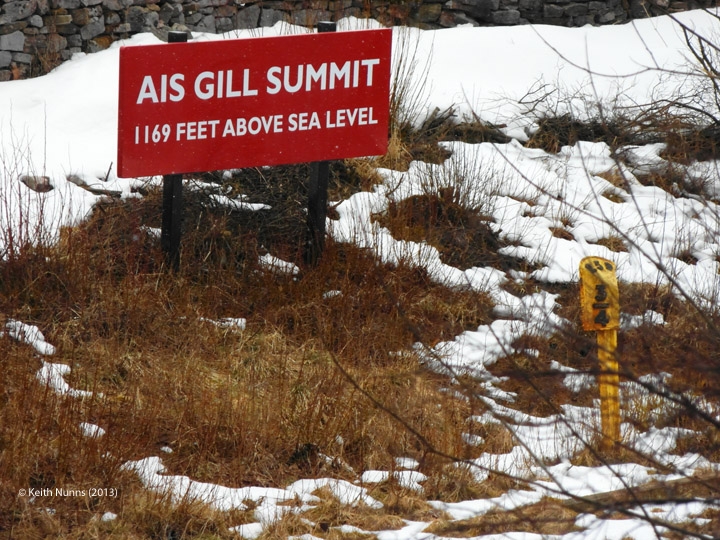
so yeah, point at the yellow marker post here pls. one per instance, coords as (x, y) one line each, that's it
(600, 312)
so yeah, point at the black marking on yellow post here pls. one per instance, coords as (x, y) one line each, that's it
(600, 312)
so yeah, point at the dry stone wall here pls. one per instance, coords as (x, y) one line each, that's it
(36, 35)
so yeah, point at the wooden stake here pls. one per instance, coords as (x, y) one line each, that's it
(609, 383)
(600, 312)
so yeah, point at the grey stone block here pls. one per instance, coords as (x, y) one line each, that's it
(22, 58)
(508, 17)
(224, 24)
(205, 24)
(269, 17)
(5, 58)
(74, 41)
(552, 11)
(92, 29)
(13, 42)
(117, 5)
(15, 11)
(450, 19)
(68, 4)
(248, 17)
(576, 10)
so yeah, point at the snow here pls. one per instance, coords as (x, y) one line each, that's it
(29, 334)
(91, 430)
(64, 125)
(52, 376)
(231, 323)
(406, 479)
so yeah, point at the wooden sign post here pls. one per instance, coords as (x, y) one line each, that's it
(172, 206)
(317, 193)
(600, 312)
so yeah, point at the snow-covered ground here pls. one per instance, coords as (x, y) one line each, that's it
(64, 126)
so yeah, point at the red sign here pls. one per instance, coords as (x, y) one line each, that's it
(191, 107)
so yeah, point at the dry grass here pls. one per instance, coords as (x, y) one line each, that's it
(463, 237)
(260, 407)
(234, 406)
(547, 517)
(613, 243)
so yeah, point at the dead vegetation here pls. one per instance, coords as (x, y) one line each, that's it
(266, 405)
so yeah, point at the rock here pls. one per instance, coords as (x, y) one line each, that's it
(152, 20)
(67, 29)
(68, 4)
(116, 5)
(13, 27)
(122, 28)
(43, 6)
(507, 17)
(81, 16)
(224, 24)
(136, 18)
(480, 10)
(576, 10)
(530, 4)
(22, 58)
(206, 24)
(56, 43)
(339, 5)
(269, 17)
(15, 11)
(225, 11)
(248, 17)
(112, 18)
(301, 17)
(59, 19)
(193, 18)
(169, 12)
(450, 19)
(5, 59)
(429, 12)
(13, 42)
(552, 10)
(41, 184)
(99, 43)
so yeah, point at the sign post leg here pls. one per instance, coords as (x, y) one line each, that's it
(317, 195)
(609, 383)
(172, 219)
(172, 200)
(317, 211)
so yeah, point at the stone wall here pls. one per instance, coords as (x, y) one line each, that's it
(36, 35)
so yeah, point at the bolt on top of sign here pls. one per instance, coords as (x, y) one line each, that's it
(191, 107)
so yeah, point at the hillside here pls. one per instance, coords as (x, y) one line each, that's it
(430, 377)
